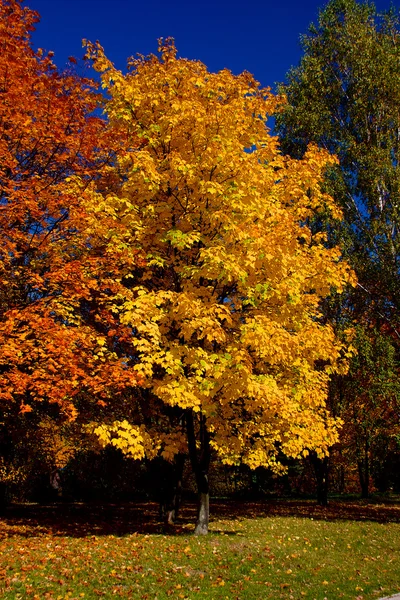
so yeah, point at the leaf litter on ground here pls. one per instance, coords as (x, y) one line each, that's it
(289, 550)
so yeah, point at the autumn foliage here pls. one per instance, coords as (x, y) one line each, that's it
(49, 271)
(158, 276)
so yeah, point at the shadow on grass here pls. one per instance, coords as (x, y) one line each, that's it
(87, 519)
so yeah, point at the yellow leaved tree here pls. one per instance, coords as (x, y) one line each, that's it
(223, 311)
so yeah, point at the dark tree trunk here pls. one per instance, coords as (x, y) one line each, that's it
(172, 492)
(321, 471)
(3, 497)
(363, 471)
(342, 472)
(200, 465)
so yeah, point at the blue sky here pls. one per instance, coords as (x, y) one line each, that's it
(260, 36)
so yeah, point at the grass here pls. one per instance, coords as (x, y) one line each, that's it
(290, 550)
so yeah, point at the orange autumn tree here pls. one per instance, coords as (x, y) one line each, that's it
(52, 289)
(224, 313)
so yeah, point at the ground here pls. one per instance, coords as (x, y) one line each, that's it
(275, 549)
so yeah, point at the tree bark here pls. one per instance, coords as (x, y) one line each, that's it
(203, 515)
(171, 502)
(363, 471)
(3, 497)
(321, 471)
(200, 465)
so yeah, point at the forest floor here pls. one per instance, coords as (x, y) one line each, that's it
(282, 549)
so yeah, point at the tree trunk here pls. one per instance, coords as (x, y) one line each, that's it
(200, 465)
(171, 501)
(321, 471)
(203, 515)
(341, 473)
(363, 471)
(3, 497)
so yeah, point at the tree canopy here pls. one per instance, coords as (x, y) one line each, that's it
(51, 279)
(344, 96)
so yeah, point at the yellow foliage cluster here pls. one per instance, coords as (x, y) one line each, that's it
(130, 439)
(136, 442)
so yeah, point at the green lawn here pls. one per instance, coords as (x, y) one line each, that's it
(275, 550)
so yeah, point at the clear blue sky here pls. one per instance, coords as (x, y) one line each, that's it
(260, 36)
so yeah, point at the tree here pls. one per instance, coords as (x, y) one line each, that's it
(344, 96)
(52, 290)
(224, 311)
